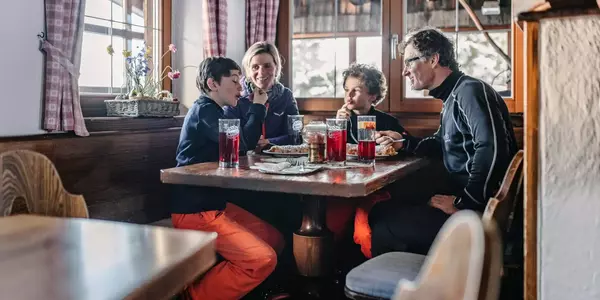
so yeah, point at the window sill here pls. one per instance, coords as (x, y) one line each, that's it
(112, 124)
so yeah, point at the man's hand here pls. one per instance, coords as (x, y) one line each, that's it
(260, 97)
(443, 202)
(343, 113)
(388, 137)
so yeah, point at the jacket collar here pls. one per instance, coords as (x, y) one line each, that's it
(445, 89)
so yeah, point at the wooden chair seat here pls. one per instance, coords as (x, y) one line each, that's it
(29, 182)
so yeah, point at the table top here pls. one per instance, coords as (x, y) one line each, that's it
(61, 258)
(350, 182)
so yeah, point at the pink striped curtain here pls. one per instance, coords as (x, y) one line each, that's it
(215, 27)
(62, 45)
(261, 21)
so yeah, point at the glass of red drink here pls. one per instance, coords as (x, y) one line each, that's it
(229, 143)
(366, 138)
(336, 141)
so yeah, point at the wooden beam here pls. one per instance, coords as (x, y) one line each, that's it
(284, 41)
(530, 209)
(165, 27)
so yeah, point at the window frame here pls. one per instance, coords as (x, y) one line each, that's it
(396, 85)
(92, 104)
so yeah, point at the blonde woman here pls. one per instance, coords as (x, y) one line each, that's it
(262, 70)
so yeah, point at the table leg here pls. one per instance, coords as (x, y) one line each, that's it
(313, 242)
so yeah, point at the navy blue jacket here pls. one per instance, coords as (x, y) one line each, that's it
(281, 104)
(199, 142)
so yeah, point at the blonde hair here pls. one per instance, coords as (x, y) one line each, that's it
(259, 48)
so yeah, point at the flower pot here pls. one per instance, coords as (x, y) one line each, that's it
(141, 107)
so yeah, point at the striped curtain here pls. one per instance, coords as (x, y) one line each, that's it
(62, 46)
(261, 21)
(215, 27)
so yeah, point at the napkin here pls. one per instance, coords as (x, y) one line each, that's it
(271, 167)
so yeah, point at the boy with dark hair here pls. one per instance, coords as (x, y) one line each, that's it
(247, 244)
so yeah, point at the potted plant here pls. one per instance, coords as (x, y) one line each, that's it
(145, 96)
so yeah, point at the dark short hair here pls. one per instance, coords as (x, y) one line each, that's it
(429, 41)
(215, 67)
(371, 77)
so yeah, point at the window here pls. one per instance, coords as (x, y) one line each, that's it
(124, 24)
(328, 35)
(476, 56)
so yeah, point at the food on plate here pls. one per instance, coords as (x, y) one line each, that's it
(290, 149)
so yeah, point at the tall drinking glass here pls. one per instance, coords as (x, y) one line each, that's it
(229, 143)
(295, 125)
(366, 139)
(336, 141)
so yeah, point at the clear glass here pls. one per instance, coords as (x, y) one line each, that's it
(336, 141)
(367, 127)
(295, 126)
(229, 143)
(314, 135)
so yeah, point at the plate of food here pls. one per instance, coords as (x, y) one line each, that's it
(288, 151)
(381, 152)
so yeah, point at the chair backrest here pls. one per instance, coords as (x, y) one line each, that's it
(463, 263)
(31, 177)
(502, 205)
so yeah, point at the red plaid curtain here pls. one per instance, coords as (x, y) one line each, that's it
(62, 45)
(215, 27)
(261, 21)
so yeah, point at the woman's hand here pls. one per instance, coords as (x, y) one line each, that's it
(260, 97)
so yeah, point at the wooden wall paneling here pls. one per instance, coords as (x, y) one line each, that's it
(517, 80)
(531, 101)
(117, 173)
(165, 26)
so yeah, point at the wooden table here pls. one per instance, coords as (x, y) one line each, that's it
(54, 258)
(311, 241)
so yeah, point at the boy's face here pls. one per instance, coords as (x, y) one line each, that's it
(229, 89)
(357, 95)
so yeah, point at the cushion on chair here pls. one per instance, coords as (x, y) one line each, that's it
(379, 276)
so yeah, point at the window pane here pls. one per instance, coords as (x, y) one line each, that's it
(477, 58)
(95, 61)
(118, 63)
(98, 8)
(368, 50)
(118, 14)
(317, 66)
(442, 14)
(130, 26)
(337, 15)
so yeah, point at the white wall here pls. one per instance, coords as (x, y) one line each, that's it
(187, 34)
(522, 5)
(22, 68)
(569, 211)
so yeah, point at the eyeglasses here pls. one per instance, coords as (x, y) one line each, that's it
(409, 61)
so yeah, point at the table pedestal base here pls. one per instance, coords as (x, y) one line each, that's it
(313, 242)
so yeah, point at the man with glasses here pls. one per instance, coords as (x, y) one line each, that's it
(475, 141)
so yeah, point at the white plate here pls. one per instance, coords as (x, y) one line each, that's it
(297, 170)
(377, 157)
(279, 154)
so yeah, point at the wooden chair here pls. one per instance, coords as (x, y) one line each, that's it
(502, 205)
(463, 263)
(29, 177)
